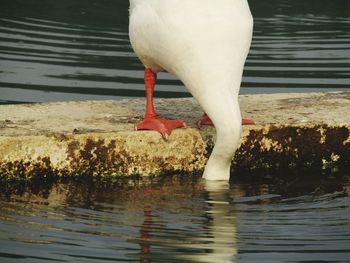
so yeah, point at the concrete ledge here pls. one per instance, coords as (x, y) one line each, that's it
(97, 138)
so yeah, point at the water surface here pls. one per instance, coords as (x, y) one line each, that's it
(296, 218)
(75, 50)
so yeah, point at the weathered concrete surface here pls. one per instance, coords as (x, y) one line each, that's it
(97, 137)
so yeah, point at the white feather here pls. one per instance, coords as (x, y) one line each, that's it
(204, 43)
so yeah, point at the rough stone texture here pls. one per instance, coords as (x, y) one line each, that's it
(97, 137)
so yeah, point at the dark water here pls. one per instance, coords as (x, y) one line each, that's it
(68, 50)
(296, 218)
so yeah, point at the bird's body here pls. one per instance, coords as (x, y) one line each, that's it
(204, 43)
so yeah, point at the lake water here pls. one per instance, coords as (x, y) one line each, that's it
(54, 50)
(297, 218)
(75, 50)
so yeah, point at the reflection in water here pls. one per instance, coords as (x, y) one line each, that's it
(222, 224)
(217, 243)
(145, 236)
(67, 51)
(301, 218)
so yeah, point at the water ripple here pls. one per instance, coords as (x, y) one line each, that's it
(177, 219)
(45, 59)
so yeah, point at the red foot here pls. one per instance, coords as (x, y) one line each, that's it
(205, 120)
(248, 122)
(163, 126)
(151, 121)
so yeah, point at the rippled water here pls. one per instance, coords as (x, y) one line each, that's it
(68, 50)
(64, 50)
(297, 218)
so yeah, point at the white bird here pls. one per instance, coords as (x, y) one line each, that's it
(204, 43)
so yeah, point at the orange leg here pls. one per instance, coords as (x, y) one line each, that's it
(205, 120)
(151, 120)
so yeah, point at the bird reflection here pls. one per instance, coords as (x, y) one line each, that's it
(221, 225)
(145, 236)
(215, 240)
